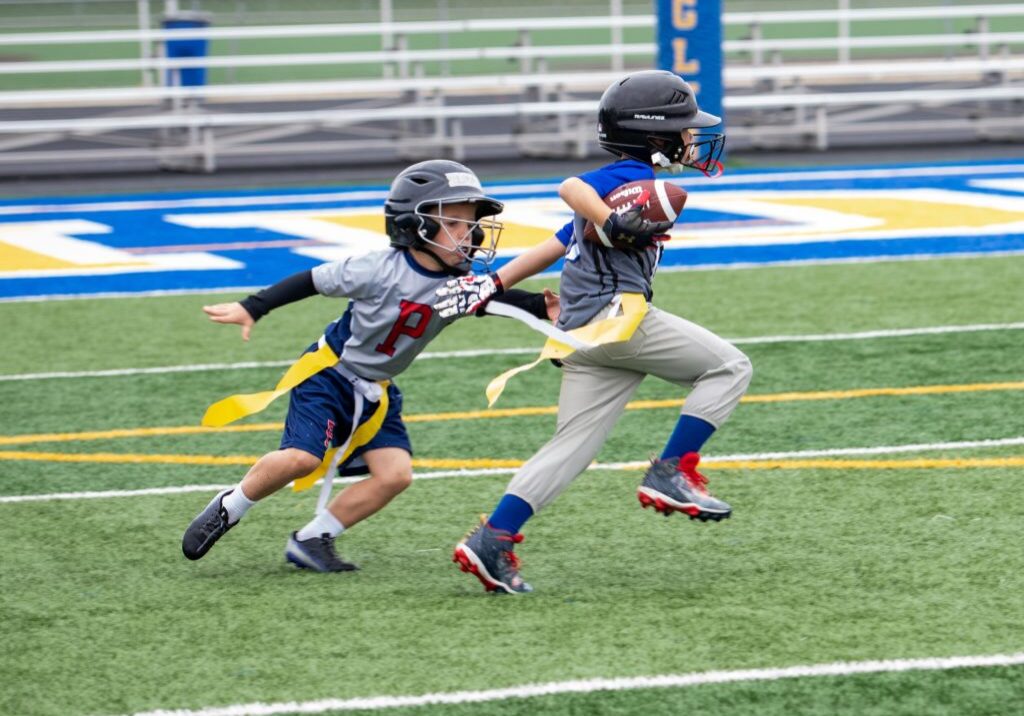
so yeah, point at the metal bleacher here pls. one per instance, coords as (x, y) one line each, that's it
(965, 85)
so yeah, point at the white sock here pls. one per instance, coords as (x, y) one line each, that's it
(324, 523)
(236, 503)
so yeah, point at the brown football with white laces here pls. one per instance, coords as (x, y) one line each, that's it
(662, 201)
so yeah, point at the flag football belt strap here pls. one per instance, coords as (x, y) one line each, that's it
(363, 391)
(622, 316)
(235, 407)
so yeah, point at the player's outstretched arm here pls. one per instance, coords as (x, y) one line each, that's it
(531, 262)
(467, 294)
(250, 309)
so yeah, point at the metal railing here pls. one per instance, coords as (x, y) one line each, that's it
(407, 102)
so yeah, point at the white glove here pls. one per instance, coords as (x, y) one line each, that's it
(467, 294)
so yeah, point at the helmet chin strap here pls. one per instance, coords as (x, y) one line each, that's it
(461, 270)
(711, 169)
(660, 160)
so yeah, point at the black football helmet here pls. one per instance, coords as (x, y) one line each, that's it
(412, 211)
(648, 116)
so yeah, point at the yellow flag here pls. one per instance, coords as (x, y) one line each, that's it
(309, 364)
(608, 330)
(362, 435)
(235, 407)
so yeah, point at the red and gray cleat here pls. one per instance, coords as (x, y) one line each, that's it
(676, 486)
(487, 554)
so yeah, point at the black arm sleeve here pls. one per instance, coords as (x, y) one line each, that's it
(529, 302)
(294, 288)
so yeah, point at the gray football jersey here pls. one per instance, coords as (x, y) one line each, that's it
(592, 275)
(389, 318)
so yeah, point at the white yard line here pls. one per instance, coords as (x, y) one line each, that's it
(115, 493)
(887, 333)
(881, 450)
(786, 263)
(204, 367)
(753, 340)
(710, 460)
(156, 293)
(587, 686)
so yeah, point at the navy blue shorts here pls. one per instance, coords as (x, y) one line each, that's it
(320, 416)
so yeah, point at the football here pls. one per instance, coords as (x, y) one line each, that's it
(662, 201)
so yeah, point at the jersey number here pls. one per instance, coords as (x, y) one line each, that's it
(403, 326)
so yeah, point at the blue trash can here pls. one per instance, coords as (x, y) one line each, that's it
(187, 47)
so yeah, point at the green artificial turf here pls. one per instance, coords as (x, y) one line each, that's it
(815, 566)
(102, 614)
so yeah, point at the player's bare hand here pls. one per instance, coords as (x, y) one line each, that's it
(551, 303)
(231, 313)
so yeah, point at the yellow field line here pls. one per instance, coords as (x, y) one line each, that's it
(463, 464)
(516, 412)
(134, 433)
(874, 392)
(475, 464)
(129, 458)
(488, 414)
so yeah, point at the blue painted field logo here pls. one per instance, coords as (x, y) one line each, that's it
(202, 243)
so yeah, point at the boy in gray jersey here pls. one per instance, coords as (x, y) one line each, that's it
(646, 120)
(440, 222)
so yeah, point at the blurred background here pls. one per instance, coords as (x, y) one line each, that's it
(147, 90)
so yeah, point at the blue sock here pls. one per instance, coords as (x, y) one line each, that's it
(689, 436)
(511, 514)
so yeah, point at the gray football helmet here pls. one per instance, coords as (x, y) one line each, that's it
(412, 212)
(647, 115)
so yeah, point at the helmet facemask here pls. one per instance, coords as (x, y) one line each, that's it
(700, 151)
(478, 244)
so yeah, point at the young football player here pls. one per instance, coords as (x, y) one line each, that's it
(440, 222)
(647, 120)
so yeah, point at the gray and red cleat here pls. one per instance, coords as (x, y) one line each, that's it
(487, 554)
(676, 486)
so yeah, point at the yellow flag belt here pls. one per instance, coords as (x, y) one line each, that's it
(625, 314)
(235, 407)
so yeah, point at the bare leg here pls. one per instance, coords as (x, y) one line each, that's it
(390, 474)
(275, 470)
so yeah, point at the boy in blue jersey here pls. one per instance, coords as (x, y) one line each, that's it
(439, 221)
(647, 120)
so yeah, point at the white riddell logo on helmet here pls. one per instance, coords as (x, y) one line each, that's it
(463, 179)
(649, 116)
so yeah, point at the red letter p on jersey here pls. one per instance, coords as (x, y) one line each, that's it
(406, 325)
